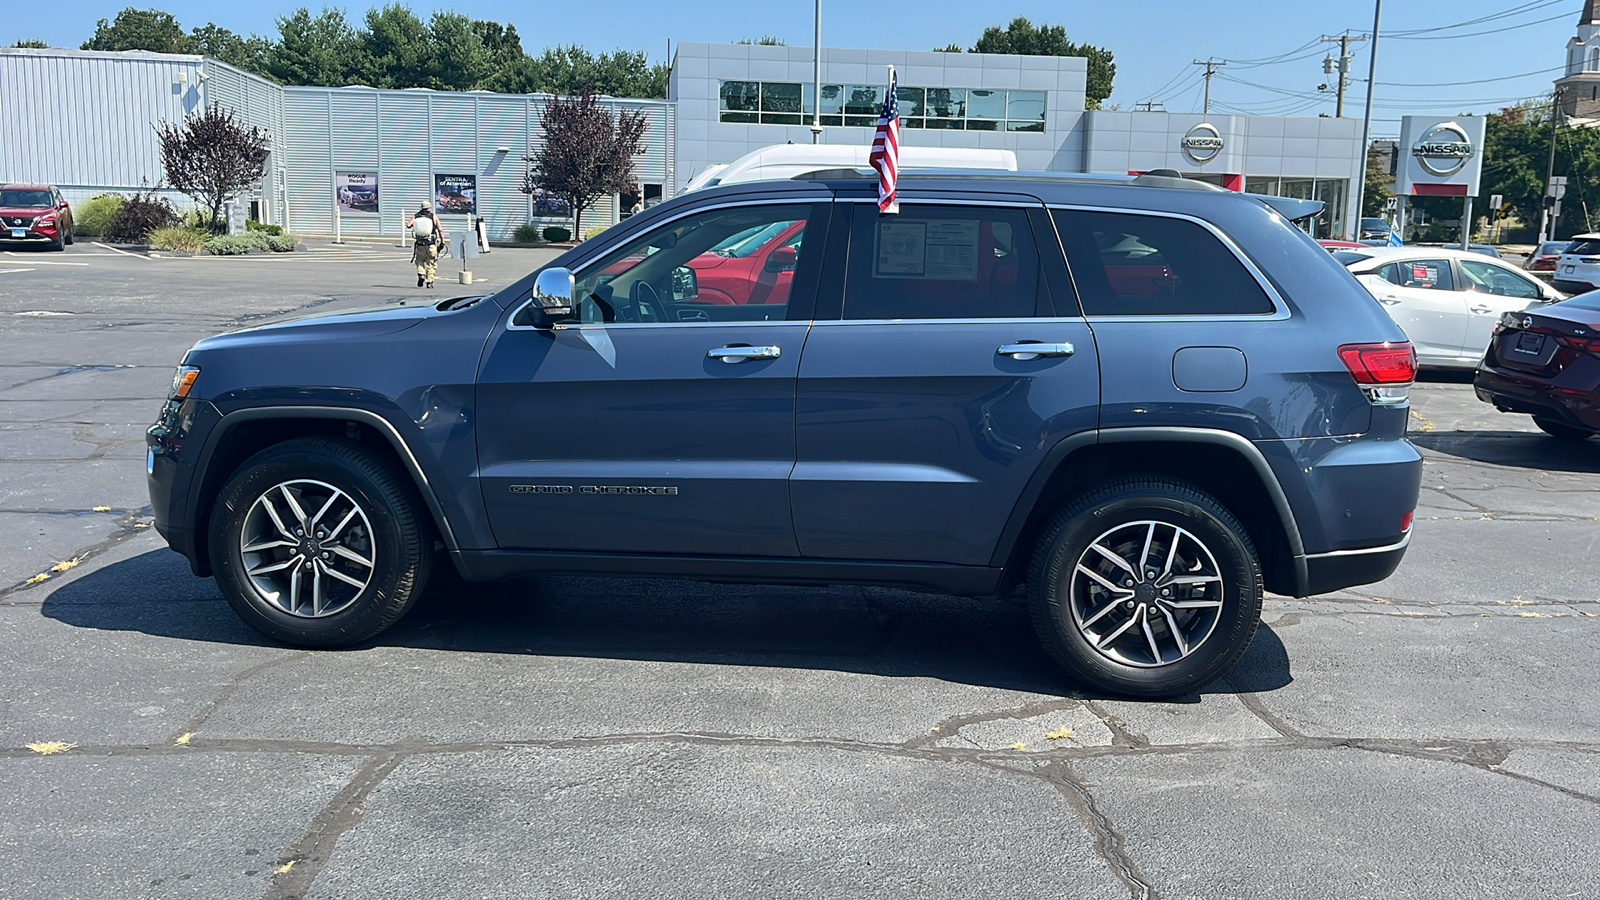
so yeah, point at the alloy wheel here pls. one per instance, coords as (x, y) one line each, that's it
(307, 548)
(1146, 593)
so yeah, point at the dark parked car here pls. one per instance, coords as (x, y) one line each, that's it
(1546, 363)
(1373, 228)
(35, 214)
(1140, 400)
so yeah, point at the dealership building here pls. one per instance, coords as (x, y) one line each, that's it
(355, 160)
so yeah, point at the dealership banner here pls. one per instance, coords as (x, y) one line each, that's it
(356, 192)
(455, 194)
(1440, 156)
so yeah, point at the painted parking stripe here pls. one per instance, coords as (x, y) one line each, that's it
(10, 271)
(123, 252)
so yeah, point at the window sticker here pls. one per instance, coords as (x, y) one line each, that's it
(944, 250)
(1423, 275)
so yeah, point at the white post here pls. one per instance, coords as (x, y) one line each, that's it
(338, 221)
(1466, 221)
(816, 77)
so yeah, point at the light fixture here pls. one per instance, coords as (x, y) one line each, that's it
(202, 76)
(502, 149)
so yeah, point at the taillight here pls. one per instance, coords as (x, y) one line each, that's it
(1582, 345)
(1384, 371)
(1405, 521)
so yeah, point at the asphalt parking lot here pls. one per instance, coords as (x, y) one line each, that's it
(1434, 735)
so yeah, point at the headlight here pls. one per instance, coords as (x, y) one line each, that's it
(183, 381)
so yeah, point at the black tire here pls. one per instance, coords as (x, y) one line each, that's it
(1564, 432)
(70, 238)
(1211, 538)
(396, 542)
(59, 244)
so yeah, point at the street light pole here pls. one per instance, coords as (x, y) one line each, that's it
(1366, 123)
(816, 77)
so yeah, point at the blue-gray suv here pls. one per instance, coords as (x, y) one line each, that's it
(1144, 401)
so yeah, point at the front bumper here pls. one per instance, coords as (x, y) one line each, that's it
(172, 448)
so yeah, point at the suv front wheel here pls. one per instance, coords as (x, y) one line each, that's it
(1145, 587)
(316, 543)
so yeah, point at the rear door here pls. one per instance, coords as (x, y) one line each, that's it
(1422, 297)
(935, 388)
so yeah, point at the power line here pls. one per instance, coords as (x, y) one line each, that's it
(1451, 37)
(1474, 81)
(1515, 10)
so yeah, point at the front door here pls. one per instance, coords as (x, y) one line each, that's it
(1421, 296)
(656, 423)
(923, 411)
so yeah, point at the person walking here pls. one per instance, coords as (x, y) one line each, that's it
(427, 236)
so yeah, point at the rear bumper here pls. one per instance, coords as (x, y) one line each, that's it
(1567, 284)
(1563, 399)
(1348, 568)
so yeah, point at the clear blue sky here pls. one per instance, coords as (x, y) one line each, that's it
(1513, 52)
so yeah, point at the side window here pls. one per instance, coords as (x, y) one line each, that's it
(1126, 264)
(942, 262)
(732, 264)
(1425, 274)
(1389, 272)
(1487, 278)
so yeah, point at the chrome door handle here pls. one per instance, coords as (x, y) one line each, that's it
(740, 354)
(1481, 310)
(1034, 350)
(1389, 301)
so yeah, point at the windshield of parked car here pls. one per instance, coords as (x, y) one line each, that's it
(748, 241)
(1350, 257)
(25, 198)
(1374, 225)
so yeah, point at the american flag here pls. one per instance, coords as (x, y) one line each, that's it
(886, 149)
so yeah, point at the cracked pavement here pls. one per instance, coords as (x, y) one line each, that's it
(1431, 735)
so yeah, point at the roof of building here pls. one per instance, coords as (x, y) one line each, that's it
(1591, 13)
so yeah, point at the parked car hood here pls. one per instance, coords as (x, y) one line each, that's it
(25, 210)
(336, 326)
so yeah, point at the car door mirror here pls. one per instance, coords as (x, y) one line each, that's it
(783, 259)
(685, 285)
(553, 291)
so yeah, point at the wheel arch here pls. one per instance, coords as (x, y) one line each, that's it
(1221, 463)
(243, 433)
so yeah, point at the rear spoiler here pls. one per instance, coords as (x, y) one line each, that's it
(1292, 209)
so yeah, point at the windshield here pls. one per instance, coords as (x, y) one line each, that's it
(1552, 248)
(25, 198)
(1350, 257)
(1374, 225)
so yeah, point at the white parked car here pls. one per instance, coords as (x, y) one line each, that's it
(1578, 266)
(1447, 301)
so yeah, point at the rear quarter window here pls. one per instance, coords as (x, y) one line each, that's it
(1129, 264)
(1583, 248)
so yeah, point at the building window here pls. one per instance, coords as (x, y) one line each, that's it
(1593, 60)
(857, 105)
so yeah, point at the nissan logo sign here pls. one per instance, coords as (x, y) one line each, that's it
(1202, 143)
(1443, 149)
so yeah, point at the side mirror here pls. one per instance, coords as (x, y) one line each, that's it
(552, 293)
(685, 284)
(783, 259)
(1527, 253)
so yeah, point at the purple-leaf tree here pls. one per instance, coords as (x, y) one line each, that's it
(212, 157)
(587, 153)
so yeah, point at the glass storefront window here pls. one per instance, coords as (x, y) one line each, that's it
(1027, 106)
(1331, 191)
(910, 101)
(780, 103)
(986, 104)
(857, 105)
(739, 101)
(947, 103)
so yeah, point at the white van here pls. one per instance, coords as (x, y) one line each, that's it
(788, 160)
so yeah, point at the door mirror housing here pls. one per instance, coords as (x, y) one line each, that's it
(553, 291)
(782, 259)
(685, 284)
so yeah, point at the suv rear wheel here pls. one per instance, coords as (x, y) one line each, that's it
(1145, 587)
(316, 543)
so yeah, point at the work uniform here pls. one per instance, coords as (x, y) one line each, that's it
(426, 255)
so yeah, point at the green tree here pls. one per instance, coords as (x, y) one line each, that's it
(316, 51)
(397, 48)
(569, 69)
(766, 40)
(504, 47)
(1023, 38)
(458, 60)
(31, 43)
(1377, 191)
(247, 53)
(587, 153)
(140, 29)
(948, 48)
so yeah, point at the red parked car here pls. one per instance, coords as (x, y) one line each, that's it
(1545, 363)
(35, 214)
(1543, 259)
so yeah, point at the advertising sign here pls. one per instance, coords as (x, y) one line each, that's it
(547, 205)
(356, 192)
(455, 194)
(1440, 157)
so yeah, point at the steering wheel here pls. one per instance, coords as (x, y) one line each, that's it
(645, 297)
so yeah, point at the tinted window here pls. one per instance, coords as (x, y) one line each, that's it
(941, 262)
(682, 271)
(1422, 274)
(1488, 279)
(1126, 264)
(1350, 257)
(1583, 248)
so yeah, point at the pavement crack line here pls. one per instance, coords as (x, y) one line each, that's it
(1252, 702)
(1121, 735)
(951, 727)
(233, 684)
(299, 865)
(1108, 842)
(129, 526)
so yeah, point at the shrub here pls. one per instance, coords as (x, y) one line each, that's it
(140, 215)
(95, 215)
(594, 232)
(229, 245)
(253, 225)
(555, 234)
(178, 237)
(200, 218)
(526, 234)
(282, 243)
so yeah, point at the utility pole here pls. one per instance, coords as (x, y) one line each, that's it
(1211, 64)
(1366, 126)
(1150, 106)
(1545, 211)
(1342, 64)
